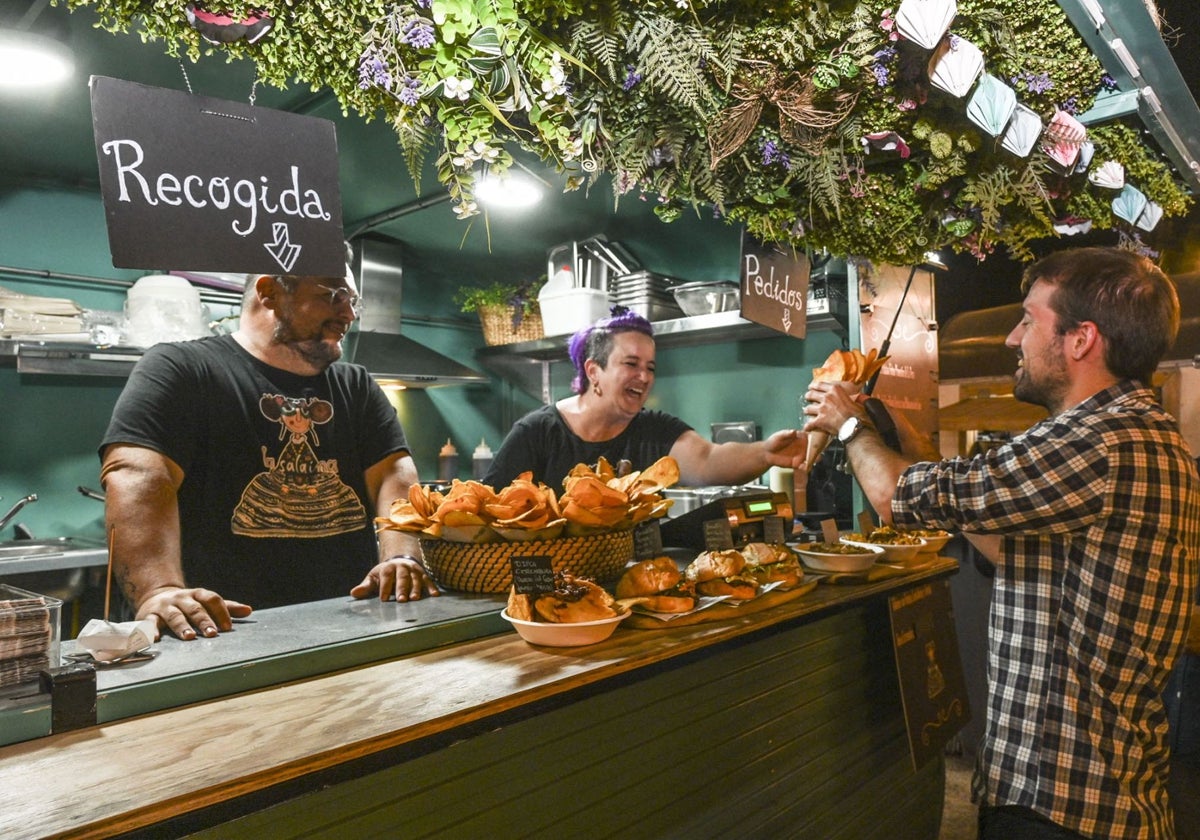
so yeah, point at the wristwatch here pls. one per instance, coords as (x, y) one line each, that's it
(849, 430)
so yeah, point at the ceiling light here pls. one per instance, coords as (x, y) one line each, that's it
(510, 190)
(29, 61)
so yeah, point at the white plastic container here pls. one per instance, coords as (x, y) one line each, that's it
(162, 307)
(565, 312)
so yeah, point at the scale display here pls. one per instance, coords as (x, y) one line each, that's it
(732, 521)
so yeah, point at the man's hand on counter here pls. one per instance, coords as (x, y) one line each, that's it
(401, 577)
(186, 612)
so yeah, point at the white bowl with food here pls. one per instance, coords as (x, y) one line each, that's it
(935, 540)
(893, 552)
(573, 634)
(838, 557)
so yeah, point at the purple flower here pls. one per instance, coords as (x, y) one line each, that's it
(410, 93)
(1034, 82)
(373, 70)
(1107, 82)
(424, 4)
(418, 34)
(632, 78)
(881, 75)
(772, 154)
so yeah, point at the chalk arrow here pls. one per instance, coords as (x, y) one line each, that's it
(284, 252)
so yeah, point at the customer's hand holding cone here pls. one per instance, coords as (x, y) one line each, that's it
(841, 366)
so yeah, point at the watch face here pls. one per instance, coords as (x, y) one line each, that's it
(848, 429)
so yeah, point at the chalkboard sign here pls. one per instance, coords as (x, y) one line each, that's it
(775, 287)
(199, 184)
(532, 574)
(930, 668)
(647, 540)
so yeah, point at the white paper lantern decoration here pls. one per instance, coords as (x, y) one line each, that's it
(1087, 150)
(955, 66)
(1023, 131)
(924, 22)
(1150, 217)
(1110, 175)
(1072, 225)
(1063, 139)
(1129, 204)
(991, 105)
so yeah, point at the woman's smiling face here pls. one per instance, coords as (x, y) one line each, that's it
(626, 380)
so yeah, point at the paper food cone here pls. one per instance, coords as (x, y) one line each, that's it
(818, 441)
(841, 366)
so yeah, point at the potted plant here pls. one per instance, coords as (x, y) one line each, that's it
(508, 312)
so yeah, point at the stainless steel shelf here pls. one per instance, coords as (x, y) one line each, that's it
(68, 358)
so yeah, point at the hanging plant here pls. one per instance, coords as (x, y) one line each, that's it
(754, 110)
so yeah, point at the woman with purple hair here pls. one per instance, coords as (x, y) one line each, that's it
(606, 417)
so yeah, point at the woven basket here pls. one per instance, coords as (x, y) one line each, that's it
(498, 327)
(484, 567)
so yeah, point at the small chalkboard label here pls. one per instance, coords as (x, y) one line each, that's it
(532, 574)
(829, 531)
(717, 535)
(773, 530)
(647, 540)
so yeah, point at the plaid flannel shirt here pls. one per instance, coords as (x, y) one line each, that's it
(1099, 508)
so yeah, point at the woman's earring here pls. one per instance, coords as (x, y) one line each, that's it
(596, 389)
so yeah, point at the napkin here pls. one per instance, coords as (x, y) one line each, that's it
(107, 641)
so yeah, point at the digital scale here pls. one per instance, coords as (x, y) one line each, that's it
(744, 516)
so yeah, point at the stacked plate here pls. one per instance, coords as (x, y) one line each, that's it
(647, 294)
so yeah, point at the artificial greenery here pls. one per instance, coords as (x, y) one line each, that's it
(756, 110)
(522, 297)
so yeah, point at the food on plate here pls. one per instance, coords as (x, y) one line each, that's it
(835, 548)
(657, 585)
(841, 366)
(886, 535)
(768, 563)
(574, 599)
(720, 573)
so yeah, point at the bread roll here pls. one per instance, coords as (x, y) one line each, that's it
(648, 577)
(710, 565)
(737, 587)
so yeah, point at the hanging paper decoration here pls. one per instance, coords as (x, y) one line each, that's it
(1063, 139)
(924, 22)
(955, 65)
(1150, 216)
(220, 28)
(1110, 175)
(991, 105)
(1072, 225)
(885, 141)
(1129, 204)
(1023, 131)
(1086, 150)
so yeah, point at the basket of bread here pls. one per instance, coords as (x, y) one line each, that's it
(470, 534)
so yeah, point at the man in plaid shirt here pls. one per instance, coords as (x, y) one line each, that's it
(1092, 520)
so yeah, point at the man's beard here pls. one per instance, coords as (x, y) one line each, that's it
(1050, 386)
(313, 350)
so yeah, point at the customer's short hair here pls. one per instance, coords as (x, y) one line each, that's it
(1133, 304)
(596, 341)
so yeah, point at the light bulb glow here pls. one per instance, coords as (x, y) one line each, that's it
(513, 190)
(29, 61)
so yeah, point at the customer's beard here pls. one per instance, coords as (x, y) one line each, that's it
(1048, 389)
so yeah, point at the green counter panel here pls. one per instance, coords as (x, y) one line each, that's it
(796, 731)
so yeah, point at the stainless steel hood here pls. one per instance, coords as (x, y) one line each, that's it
(376, 342)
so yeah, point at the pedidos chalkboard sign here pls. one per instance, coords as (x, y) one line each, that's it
(775, 287)
(201, 184)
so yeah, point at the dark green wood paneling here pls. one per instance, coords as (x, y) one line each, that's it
(797, 732)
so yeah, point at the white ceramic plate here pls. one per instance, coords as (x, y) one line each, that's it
(825, 562)
(892, 552)
(565, 635)
(934, 544)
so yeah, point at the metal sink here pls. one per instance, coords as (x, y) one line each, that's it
(54, 545)
(50, 554)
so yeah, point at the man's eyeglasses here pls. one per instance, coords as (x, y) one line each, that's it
(342, 295)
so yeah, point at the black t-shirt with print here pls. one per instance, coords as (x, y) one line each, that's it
(273, 506)
(542, 442)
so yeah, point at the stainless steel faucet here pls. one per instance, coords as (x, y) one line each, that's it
(15, 509)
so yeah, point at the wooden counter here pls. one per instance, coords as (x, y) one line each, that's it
(770, 724)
